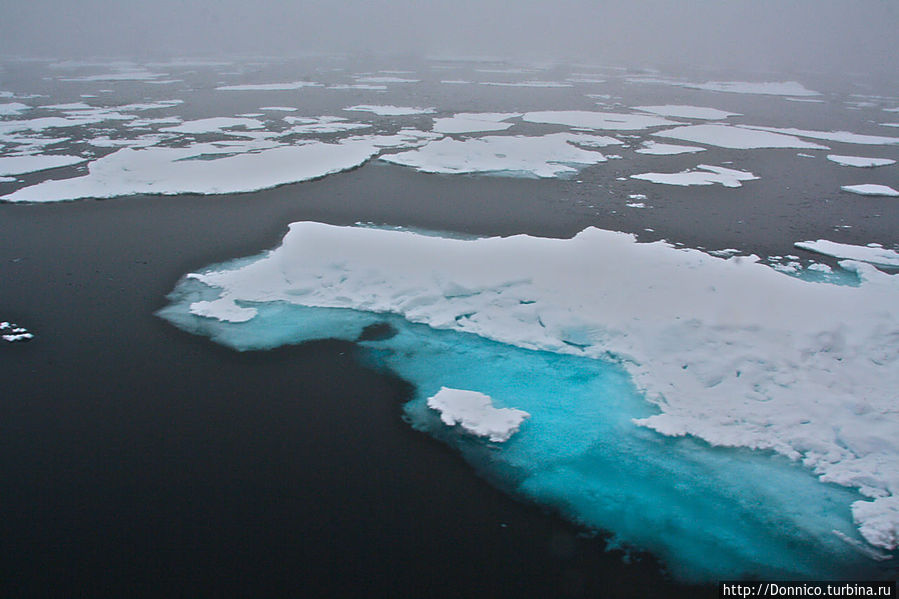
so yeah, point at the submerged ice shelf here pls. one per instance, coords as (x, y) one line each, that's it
(580, 333)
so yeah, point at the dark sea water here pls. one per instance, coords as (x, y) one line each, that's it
(140, 460)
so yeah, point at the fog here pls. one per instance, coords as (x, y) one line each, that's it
(760, 35)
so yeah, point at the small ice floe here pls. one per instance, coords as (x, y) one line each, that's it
(871, 189)
(389, 110)
(688, 112)
(268, 86)
(214, 125)
(13, 333)
(872, 254)
(704, 175)
(278, 108)
(771, 88)
(859, 161)
(737, 138)
(474, 122)
(364, 86)
(386, 80)
(475, 413)
(121, 75)
(803, 155)
(322, 124)
(838, 136)
(655, 148)
(527, 84)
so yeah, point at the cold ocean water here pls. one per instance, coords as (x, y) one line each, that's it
(143, 459)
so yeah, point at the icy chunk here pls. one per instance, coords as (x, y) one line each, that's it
(475, 413)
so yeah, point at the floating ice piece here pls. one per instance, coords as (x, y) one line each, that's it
(526, 83)
(124, 75)
(203, 168)
(611, 121)
(655, 148)
(730, 351)
(782, 88)
(714, 174)
(366, 86)
(838, 136)
(12, 108)
(889, 124)
(251, 87)
(391, 110)
(807, 100)
(870, 189)
(728, 136)
(475, 413)
(859, 161)
(279, 108)
(13, 333)
(19, 165)
(871, 254)
(546, 156)
(322, 124)
(214, 125)
(687, 112)
(386, 80)
(472, 122)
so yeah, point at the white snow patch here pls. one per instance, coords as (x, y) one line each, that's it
(859, 161)
(862, 253)
(546, 156)
(730, 351)
(655, 148)
(713, 174)
(475, 413)
(727, 136)
(870, 189)
(687, 112)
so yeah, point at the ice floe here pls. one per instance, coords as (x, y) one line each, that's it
(122, 75)
(703, 175)
(729, 350)
(611, 121)
(776, 88)
(322, 124)
(473, 122)
(546, 156)
(871, 189)
(526, 83)
(859, 161)
(655, 148)
(873, 254)
(838, 136)
(12, 108)
(214, 125)
(727, 136)
(687, 112)
(279, 108)
(13, 333)
(19, 165)
(388, 110)
(386, 80)
(475, 413)
(252, 87)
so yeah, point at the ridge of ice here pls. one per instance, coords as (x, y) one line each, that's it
(474, 412)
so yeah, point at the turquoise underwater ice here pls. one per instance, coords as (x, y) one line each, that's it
(709, 513)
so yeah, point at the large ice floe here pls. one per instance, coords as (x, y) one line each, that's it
(546, 156)
(704, 174)
(609, 121)
(739, 138)
(212, 168)
(649, 373)
(19, 165)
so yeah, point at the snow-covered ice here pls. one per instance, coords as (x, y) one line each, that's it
(322, 124)
(729, 350)
(687, 112)
(546, 156)
(871, 189)
(19, 165)
(859, 161)
(727, 136)
(611, 121)
(475, 413)
(704, 175)
(655, 148)
(389, 110)
(838, 136)
(214, 125)
(474, 122)
(872, 254)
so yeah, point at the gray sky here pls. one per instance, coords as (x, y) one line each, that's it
(784, 35)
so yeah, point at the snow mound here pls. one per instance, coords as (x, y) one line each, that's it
(475, 413)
